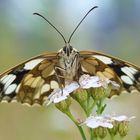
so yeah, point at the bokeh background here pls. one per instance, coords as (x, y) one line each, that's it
(113, 28)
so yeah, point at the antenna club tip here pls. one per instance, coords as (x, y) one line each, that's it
(94, 7)
(36, 14)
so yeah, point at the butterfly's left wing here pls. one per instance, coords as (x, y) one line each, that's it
(125, 74)
(18, 83)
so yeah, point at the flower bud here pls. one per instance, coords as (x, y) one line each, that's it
(80, 95)
(63, 106)
(100, 132)
(113, 131)
(123, 128)
(100, 92)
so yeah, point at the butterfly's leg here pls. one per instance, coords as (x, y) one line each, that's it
(76, 64)
(58, 76)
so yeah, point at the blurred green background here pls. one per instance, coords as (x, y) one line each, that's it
(113, 28)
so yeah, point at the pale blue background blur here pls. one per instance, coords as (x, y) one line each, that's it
(113, 28)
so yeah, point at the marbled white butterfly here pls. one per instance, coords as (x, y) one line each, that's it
(32, 82)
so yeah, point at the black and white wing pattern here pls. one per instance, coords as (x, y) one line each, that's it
(124, 73)
(29, 80)
(33, 81)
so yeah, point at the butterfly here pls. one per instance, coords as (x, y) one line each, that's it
(32, 81)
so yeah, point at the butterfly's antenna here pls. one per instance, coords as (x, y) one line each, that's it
(81, 22)
(51, 25)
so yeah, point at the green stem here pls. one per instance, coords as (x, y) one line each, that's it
(111, 137)
(84, 107)
(68, 113)
(100, 107)
(88, 99)
(91, 135)
(91, 107)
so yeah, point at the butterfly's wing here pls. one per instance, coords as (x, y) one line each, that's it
(20, 81)
(125, 74)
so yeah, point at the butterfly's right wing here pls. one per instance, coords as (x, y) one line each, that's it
(12, 82)
(125, 74)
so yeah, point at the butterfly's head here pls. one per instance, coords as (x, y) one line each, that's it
(67, 51)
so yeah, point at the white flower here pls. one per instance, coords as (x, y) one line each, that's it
(59, 94)
(87, 81)
(95, 122)
(120, 118)
(105, 121)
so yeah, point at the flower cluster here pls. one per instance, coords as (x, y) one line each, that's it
(108, 124)
(85, 82)
(90, 92)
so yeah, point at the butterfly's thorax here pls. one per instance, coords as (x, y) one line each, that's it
(68, 62)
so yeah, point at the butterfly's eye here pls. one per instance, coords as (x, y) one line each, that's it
(70, 48)
(64, 49)
(60, 55)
